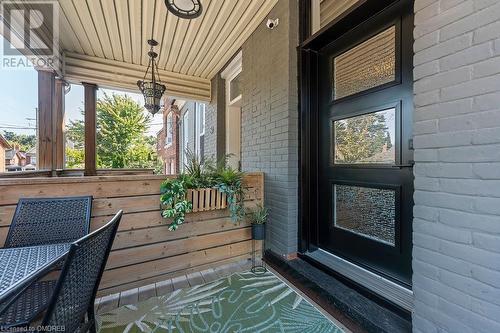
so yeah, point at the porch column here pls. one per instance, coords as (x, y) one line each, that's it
(58, 125)
(46, 81)
(90, 101)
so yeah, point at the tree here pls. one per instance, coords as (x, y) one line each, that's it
(75, 158)
(121, 135)
(75, 134)
(25, 141)
(360, 138)
(121, 124)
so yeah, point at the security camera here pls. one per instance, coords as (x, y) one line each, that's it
(271, 24)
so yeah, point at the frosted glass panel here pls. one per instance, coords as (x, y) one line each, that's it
(367, 65)
(366, 139)
(368, 212)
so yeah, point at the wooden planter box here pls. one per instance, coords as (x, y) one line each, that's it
(205, 199)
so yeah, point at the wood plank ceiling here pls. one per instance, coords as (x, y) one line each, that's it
(105, 41)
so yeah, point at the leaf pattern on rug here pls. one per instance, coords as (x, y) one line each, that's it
(242, 302)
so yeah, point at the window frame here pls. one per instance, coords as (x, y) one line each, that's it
(169, 130)
(185, 136)
(201, 125)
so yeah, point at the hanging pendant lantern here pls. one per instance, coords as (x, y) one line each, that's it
(187, 9)
(152, 90)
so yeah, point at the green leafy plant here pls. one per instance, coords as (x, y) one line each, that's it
(173, 198)
(201, 174)
(259, 215)
(229, 181)
(210, 174)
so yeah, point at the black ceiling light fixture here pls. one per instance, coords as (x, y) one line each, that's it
(187, 9)
(152, 90)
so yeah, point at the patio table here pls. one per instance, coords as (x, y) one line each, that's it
(21, 266)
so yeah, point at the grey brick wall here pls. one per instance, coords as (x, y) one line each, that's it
(269, 136)
(456, 228)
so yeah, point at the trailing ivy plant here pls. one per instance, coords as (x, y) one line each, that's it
(209, 174)
(173, 198)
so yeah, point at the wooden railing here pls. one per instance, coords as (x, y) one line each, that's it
(144, 250)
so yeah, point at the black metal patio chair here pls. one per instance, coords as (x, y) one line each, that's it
(49, 221)
(71, 305)
(41, 222)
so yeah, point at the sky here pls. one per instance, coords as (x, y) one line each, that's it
(19, 100)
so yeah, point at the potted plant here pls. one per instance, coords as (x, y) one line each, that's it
(258, 218)
(202, 187)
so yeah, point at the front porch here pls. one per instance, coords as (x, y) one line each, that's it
(369, 129)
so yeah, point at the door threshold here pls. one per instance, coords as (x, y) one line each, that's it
(377, 284)
(345, 302)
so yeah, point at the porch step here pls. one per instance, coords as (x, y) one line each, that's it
(355, 310)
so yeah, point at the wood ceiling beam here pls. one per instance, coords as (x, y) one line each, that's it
(116, 74)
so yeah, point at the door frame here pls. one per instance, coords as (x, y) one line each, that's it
(308, 230)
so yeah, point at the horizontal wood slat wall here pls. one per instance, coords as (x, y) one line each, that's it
(144, 251)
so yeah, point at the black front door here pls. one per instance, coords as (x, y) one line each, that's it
(365, 177)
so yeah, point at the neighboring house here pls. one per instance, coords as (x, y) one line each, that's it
(167, 138)
(31, 159)
(15, 159)
(18, 160)
(4, 146)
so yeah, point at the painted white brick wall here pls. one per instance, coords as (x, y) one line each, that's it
(456, 228)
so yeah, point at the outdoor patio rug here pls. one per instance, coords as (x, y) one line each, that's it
(242, 302)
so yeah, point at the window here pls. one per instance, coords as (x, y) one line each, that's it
(172, 167)
(185, 136)
(18, 118)
(365, 66)
(74, 128)
(201, 118)
(235, 88)
(368, 212)
(366, 139)
(126, 132)
(169, 130)
(232, 75)
(200, 129)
